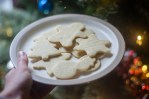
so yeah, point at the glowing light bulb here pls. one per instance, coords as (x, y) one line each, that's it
(139, 37)
(144, 68)
(139, 40)
(147, 75)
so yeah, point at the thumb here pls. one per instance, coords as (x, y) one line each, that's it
(22, 60)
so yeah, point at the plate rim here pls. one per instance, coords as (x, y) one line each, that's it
(121, 44)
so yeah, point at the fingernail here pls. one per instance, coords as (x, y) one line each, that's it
(21, 53)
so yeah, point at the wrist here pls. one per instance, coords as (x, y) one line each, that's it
(11, 95)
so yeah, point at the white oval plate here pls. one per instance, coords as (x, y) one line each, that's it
(24, 39)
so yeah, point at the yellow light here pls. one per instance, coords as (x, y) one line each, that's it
(147, 75)
(9, 32)
(139, 40)
(139, 37)
(144, 68)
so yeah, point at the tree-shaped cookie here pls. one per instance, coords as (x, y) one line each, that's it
(67, 34)
(43, 49)
(92, 45)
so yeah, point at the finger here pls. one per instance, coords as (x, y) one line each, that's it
(22, 61)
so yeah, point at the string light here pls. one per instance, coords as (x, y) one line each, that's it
(144, 68)
(138, 74)
(147, 75)
(139, 40)
(139, 37)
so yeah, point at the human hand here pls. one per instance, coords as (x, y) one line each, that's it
(19, 83)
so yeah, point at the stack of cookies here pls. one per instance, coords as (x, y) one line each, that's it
(68, 51)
